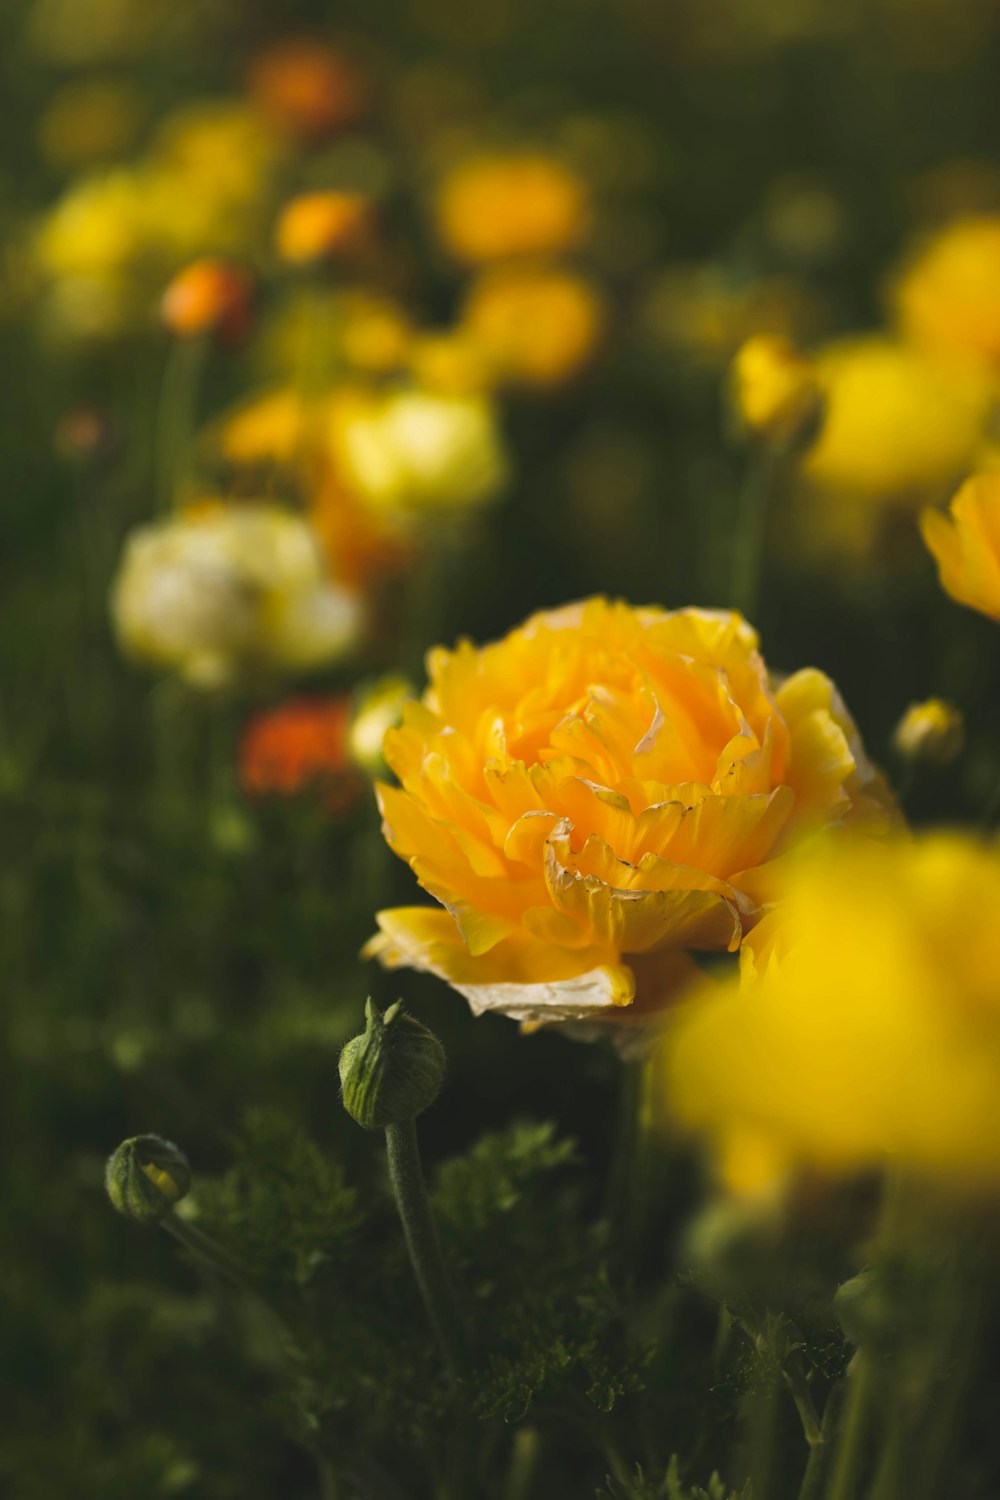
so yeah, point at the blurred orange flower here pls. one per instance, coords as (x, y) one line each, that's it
(492, 207)
(208, 296)
(300, 744)
(307, 88)
(533, 324)
(316, 225)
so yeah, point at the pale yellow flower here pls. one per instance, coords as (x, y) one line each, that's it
(868, 1032)
(599, 792)
(931, 731)
(226, 590)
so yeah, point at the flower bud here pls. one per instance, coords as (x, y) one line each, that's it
(774, 393)
(146, 1177)
(932, 732)
(316, 226)
(208, 296)
(392, 1071)
(378, 707)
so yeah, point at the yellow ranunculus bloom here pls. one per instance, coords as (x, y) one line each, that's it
(949, 295)
(967, 547)
(774, 392)
(223, 590)
(533, 324)
(870, 1029)
(412, 451)
(494, 207)
(900, 426)
(597, 793)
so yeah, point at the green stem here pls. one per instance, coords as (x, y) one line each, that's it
(814, 1478)
(805, 1406)
(209, 1250)
(177, 416)
(751, 530)
(858, 1414)
(410, 1190)
(525, 1453)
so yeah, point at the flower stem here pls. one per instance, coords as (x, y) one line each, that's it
(857, 1418)
(814, 1478)
(410, 1190)
(177, 416)
(751, 530)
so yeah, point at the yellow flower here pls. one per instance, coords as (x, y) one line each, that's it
(492, 207)
(223, 590)
(900, 427)
(413, 451)
(949, 295)
(871, 1030)
(600, 791)
(775, 393)
(967, 547)
(315, 226)
(533, 324)
(97, 227)
(931, 731)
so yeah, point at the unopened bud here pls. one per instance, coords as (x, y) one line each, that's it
(208, 297)
(774, 393)
(933, 731)
(146, 1177)
(318, 226)
(392, 1071)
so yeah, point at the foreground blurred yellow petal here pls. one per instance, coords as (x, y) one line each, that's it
(866, 1026)
(966, 547)
(601, 791)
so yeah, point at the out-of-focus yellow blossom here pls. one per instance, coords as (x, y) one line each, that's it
(774, 392)
(705, 313)
(97, 229)
(899, 428)
(966, 547)
(208, 296)
(492, 207)
(316, 226)
(598, 792)
(89, 122)
(870, 1031)
(307, 88)
(266, 429)
(535, 325)
(226, 590)
(450, 362)
(362, 330)
(378, 707)
(949, 296)
(931, 731)
(413, 452)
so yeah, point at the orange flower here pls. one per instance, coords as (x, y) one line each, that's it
(307, 88)
(492, 207)
(208, 296)
(600, 791)
(317, 225)
(300, 744)
(967, 547)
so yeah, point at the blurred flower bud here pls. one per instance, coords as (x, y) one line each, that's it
(392, 1071)
(85, 436)
(933, 731)
(318, 226)
(377, 708)
(208, 296)
(774, 393)
(146, 1177)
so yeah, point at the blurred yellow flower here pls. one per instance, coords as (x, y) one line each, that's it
(948, 297)
(775, 392)
(225, 590)
(967, 547)
(536, 325)
(899, 428)
(491, 207)
(930, 731)
(315, 226)
(208, 296)
(97, 228)
(364, 330)
(378, 707)
(411, 451)
(449, 362)
(870, 1032)
(596, 793)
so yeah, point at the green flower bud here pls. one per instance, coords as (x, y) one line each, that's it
(392, 1071)
(146, 1177)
